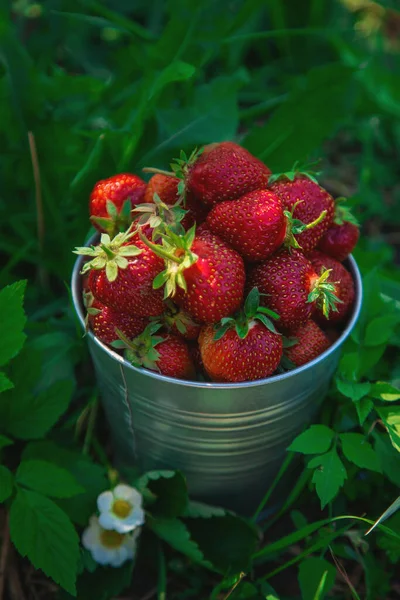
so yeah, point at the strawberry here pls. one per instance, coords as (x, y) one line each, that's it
(342, 236)
(179, 322)
(253, 225)
(243, 348)
(342, 283)
(165, 353)
(292, 287)
(308, 202)
(112, 200)
(165, 189)
(203, 275)
(121, 274)
(104, 320)
(310, 341)
(218, 172)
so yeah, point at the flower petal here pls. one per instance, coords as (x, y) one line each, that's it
(123, 491)
(102, 555)
(120, 555)
(135, 518)
(105, 501)
(109, 521)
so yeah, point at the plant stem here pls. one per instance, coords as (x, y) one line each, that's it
(90, 426)
(159, 250)
(158, 171)
(282, 470)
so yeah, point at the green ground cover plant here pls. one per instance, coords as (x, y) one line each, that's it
(89, 89)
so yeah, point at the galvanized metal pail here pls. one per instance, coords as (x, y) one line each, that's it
(228, 439)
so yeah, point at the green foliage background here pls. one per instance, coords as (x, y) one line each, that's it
(91, 88)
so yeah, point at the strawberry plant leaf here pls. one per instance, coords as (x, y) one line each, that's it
(227, 542)
(199, 510)
(353, 390)
(6, 483)
(394, 507)
(13, 321)
(30, 417)
(90, 476)
(316, 439)
(169, 490)
(43, 533)
(329, 475)
(252, 302)
(175, 533)
(47, 478)
(311, 572)
(360, 452)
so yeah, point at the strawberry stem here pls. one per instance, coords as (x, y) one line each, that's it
(158, 171)
(159, 250)
(110, 254)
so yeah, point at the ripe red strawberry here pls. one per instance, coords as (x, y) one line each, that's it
(253, 225)
(242, 349)
(112, 200)
(311, 341)
(121, 274)
(165, 353)
(179, 322)
(343, 285)
(225, 171)
(301, 194)
(103, 321)
(342, 236)
(203, 275)
(292, 287)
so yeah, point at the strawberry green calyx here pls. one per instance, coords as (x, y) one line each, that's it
(242, 321)
(116, 221)
(295, 226)
(110, 254)
(179, 168)
(160, 216)
(175, 316)
(88, 300)
(141, 351)
(343, 214)
(297, 170)
(323, 293)
(176, 252)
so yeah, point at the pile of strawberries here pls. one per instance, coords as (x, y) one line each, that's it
(218, 269)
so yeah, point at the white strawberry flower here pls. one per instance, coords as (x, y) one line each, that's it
(109, 547)
(121, 509)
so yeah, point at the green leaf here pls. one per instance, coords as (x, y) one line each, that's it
(90, 476)
(6, 483)
(227, 542)
(47, 478)
(329, 475)
(42, 532)
(380, 330)
(391, 418)
(176, 534)
(394, 507)
(352, 390)
(316, 439)
(32, 417)
(363, 408)
(169, 488)
(384, 391)
(199, 510)
(5, 383)
(13, 320)
(290, 135)
(360, 452)
(5, 441)
(252, 302)
(176, 71)
(388, 457)
(311, 572)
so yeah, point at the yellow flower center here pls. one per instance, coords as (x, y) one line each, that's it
(111, 539)
(121, 508)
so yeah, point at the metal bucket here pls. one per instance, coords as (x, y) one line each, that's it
(228, 439)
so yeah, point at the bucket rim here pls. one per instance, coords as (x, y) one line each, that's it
(78, 306)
